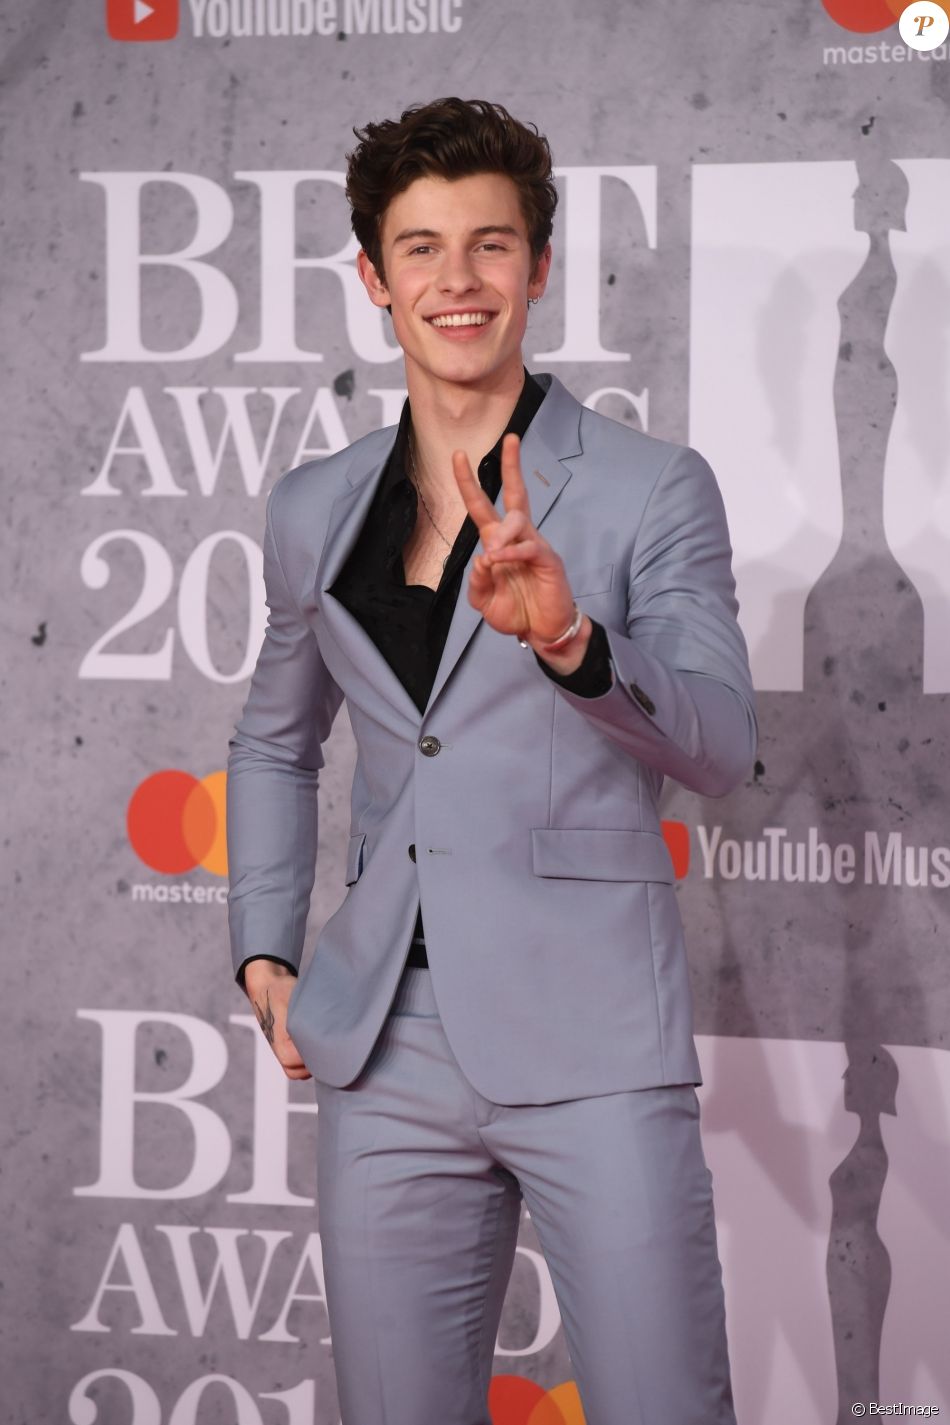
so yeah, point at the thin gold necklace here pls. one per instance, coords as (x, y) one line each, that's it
(414, 478)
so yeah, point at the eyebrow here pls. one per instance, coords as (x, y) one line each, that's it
(409, 234)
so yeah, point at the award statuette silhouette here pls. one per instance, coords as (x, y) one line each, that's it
(848, 948)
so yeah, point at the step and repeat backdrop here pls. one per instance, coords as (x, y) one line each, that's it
(752, 255)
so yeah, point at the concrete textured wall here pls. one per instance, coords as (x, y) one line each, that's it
(753, 254)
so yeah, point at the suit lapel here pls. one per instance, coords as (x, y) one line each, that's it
(343, 527)
(552, 438)
(352, 506)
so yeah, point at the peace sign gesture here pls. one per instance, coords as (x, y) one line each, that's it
(518, 583)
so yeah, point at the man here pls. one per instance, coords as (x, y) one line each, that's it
(500, 1008)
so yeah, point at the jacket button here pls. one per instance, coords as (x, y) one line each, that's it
(647, 704)
(412, 852)
(429, 746)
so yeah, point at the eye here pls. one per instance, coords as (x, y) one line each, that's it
(420, 250)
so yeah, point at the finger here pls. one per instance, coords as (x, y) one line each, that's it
(520, 551)
(512, 526)
(477, 503)
(290, 1058)
(512, 480)
(515, 538)
(480, 581)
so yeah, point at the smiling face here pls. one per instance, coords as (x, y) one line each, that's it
(458, 274)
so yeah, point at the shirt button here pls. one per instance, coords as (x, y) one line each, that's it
(412, 852)
(429, 746)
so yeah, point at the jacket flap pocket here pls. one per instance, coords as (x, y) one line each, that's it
(354, 857)
(600, 855)
(590, 581)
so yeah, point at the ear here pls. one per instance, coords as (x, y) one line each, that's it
(539, 277)
(371, 280)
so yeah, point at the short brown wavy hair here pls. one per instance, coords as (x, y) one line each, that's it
(448, 138)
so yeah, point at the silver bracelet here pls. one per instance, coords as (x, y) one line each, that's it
(572, 630)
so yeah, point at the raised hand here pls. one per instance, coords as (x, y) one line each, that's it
(518, 583)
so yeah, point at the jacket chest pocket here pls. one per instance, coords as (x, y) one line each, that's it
(585, 581)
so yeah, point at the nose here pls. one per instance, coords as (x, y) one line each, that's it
(457, 274)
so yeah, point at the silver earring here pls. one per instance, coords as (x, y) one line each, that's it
(533, 301)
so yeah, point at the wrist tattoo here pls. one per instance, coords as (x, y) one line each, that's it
(265, 1018)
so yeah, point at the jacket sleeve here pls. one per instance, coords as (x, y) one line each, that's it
(273, 769)
(682, 698)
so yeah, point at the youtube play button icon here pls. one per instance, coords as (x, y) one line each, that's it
(142, 19)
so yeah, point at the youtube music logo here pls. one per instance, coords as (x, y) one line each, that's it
(142, 19)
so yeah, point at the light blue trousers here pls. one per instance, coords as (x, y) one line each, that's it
(420, 1181)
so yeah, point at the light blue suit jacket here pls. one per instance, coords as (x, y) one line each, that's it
(552, 927)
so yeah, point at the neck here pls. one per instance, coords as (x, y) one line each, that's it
(447, 417)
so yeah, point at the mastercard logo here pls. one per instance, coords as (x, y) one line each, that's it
(176, 823)
(866, 17)
(512, 1400)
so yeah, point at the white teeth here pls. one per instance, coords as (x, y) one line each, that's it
(462, 319)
